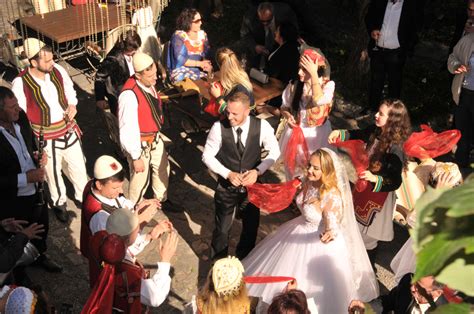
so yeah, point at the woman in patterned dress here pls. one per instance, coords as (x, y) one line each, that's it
(188, 53)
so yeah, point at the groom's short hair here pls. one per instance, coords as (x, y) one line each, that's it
(240, 97)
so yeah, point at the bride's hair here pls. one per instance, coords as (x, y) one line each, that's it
(208, 302)
(328, 178)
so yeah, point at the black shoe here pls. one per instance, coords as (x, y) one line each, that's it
(21, 278)
(61, 213)
(47, 264)
(168, 206)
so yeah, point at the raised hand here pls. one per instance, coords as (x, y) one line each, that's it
(168, 248)
(33, 231)
(12, 225)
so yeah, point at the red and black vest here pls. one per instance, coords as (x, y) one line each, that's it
(128, 281)
(91, 205)
(150, 112)
(38, 110)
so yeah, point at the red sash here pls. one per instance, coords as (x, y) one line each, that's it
(367, 203)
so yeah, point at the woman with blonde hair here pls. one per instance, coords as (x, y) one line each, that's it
(332, 264)
(233, 79)
(224, 291)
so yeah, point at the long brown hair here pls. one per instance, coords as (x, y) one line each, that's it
(208, 302)
(395, 132)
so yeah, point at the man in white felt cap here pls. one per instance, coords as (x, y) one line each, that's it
(140, 118)
(137, 288)
(102, 196)
(46, 93)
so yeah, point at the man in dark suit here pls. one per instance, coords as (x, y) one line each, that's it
(407, 298)
(233, 151)
(392, 26)
(115, 70)
(283, 61)
(464, 23)
(258, 28)
(19, 175)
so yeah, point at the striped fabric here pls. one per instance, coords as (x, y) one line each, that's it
(57, 130)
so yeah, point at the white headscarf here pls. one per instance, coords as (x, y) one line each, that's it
(21, 300)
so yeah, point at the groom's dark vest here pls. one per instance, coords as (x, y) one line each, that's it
(229, 156)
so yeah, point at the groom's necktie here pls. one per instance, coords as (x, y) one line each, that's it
(240, 146)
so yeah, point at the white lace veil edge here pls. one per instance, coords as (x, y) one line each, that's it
(366, 284)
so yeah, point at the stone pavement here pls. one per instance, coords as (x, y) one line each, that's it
(191, 189)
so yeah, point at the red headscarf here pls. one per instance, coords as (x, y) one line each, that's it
(314, 56)
(429, 144)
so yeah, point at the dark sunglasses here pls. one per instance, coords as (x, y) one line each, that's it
(265, 22)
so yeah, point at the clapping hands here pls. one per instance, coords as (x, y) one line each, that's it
(147, 209)
(160, 228)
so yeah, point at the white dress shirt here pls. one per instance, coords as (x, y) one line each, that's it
(129, 59)
(99, 220)
(24, 158)
(128, 120)
(389, 32)
(49, 92)
(154, 290)
(214, 143)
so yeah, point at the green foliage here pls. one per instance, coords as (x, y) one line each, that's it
(444, 236)
(452, 308)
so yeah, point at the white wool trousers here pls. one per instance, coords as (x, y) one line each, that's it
(65, 154)
(157, 169)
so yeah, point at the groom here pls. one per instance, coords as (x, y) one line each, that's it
(233, 150)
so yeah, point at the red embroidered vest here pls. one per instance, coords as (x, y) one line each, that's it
(128, 281)
(38, 110)
(90, 206)
(150, 114)
(36, 104)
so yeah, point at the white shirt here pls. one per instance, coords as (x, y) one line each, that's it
(214, 143)
(129, 59)
(128, 120)
(49, 92)
(389, 32)
(154, 290)
(420, 309)
(99, 220)
(24, 158)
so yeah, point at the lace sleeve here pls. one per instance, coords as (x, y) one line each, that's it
(331, 206)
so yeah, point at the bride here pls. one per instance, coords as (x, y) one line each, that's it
(322, 248)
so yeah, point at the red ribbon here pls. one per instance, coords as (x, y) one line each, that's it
(267, 279)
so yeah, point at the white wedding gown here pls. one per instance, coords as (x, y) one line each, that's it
(323, 271)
